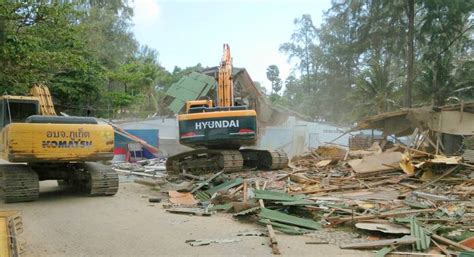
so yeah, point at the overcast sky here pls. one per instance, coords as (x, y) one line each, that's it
(189, 32)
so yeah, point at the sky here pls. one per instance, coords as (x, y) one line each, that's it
(186, 33)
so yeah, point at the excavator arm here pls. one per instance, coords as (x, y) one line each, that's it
(225, 87)
(45, 100)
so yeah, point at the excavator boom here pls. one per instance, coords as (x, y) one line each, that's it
(225, 87)
(44, 99)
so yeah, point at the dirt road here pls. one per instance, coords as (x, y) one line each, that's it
(62, 223)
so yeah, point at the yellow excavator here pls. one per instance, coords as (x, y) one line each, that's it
(219, 131)
(41, 145)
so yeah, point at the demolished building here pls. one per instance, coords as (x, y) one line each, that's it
(447, 129)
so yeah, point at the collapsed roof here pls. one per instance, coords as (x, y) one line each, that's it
(203, 86)
(450, 119)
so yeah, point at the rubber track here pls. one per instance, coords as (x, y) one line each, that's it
(18, 183)
(103, 181)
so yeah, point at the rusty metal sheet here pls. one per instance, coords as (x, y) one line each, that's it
(182, 198)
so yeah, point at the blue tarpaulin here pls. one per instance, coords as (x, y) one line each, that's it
(151, 136)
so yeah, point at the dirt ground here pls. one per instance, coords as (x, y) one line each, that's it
(62, 223)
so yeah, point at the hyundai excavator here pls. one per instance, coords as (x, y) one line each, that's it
(219, 131)
(43, 146)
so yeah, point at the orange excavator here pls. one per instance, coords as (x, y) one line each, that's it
(221, 133)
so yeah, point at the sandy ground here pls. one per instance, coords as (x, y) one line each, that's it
(62, 223)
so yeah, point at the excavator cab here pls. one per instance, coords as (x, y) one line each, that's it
(17, 109)
(198, 105)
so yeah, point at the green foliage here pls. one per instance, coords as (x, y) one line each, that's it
(273, 74)
(356, 63)
(84, 51)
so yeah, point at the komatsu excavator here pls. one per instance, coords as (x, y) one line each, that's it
(43, 146)
(218, 131)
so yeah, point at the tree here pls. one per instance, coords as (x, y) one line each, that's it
(375, 92)
(410, 10)
(301, 46)
(363, 60)
(273, 74)
(444, 36)
(83, 50)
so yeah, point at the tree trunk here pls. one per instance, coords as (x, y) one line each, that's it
(410, 53)
(434, 85)
(155, 102)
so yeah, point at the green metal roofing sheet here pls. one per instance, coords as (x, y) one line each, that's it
(225, 186)
(284, 218)
(189, 87)
(419, 232)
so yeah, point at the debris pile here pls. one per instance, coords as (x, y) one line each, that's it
(397, 199)
(148, 167)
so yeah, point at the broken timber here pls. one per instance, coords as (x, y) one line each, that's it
(406, 240)
(382, 215)
(271, 232)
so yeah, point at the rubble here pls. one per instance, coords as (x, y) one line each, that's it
(201, 242)
(395, 198)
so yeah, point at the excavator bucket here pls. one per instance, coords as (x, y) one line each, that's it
(45, 99)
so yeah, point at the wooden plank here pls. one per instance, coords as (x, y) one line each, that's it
(382, 215)
(451, 243)
(414, 150)
(4, 237)
(392, 180)
(439, 177)
(245, 186)
(238, 190)
(379, 243)
(271, 232)
(413, 254)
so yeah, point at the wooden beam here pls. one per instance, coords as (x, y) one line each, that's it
(451, 243)
(382, 215)
(406, 240)
(271, 232)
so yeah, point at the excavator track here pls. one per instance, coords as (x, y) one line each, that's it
(212, 160)
(18, 183)
(205, 161)
(100, 180)
(264, 159)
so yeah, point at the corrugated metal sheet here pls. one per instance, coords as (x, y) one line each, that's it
(384, 251)
(202, 196)
(225, 186)
(419, 232)
(247, 212)
(189, 87)
(287, 229)
(284, 218)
